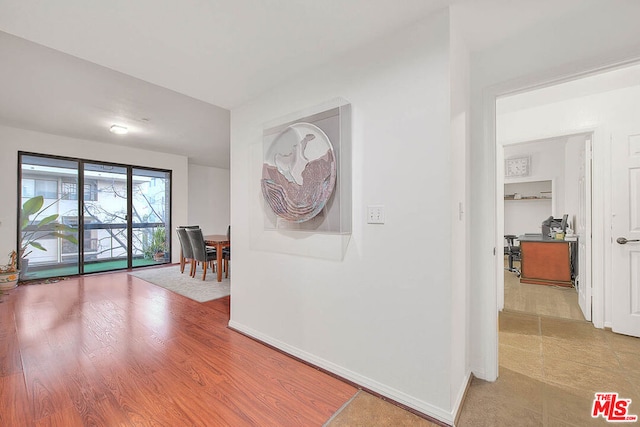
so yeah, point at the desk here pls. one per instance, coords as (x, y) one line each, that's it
(547, 261)
(219, 241)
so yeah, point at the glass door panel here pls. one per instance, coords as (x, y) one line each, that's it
(150, 242)
(49, 217)
(105, 197)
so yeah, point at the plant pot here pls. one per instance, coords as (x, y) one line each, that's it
(9, 280)
(159, 256)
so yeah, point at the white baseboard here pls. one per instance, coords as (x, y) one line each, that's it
(391, 393)
(457, 404)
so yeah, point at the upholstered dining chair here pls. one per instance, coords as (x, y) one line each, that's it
(186, 253)
(226, 253)
(200, 251)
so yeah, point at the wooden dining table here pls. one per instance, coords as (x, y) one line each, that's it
(218, 241)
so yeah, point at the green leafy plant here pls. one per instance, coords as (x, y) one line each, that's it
(157, 242)
(34, 230)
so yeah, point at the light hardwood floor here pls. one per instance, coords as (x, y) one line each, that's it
(111, 349)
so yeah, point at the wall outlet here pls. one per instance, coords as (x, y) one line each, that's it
(375, 214)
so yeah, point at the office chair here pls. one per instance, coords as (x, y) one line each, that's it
(513, 252)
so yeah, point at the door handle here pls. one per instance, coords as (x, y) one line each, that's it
(624, 241)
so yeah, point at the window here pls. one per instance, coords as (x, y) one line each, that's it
(90, 192)
(70, 191)
(107, 224)
(40, 187)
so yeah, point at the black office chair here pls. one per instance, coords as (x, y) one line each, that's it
(513, 253)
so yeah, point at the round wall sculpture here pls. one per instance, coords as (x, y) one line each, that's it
(299, 172)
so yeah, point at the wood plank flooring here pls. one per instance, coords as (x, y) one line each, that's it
(112, 349)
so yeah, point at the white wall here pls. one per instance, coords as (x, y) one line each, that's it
(209, 198)
(460, 273)
(382, 316)
(13, 140)
(547, 163)
(595, 35)
(526, 215)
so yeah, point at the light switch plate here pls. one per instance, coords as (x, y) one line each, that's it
(375, 214)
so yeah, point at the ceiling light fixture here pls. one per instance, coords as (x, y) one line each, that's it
(118, 130)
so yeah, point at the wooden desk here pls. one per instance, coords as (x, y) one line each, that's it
(546, 261)
(219, 241)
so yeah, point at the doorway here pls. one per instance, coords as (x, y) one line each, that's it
(554, 183)
(79, 216)
(600, 105)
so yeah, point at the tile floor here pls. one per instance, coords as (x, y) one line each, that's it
(555, 301)
(551, 363)
(550, 369)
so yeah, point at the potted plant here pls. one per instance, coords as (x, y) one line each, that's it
(155, 247)
(33, 230)
(9, 273)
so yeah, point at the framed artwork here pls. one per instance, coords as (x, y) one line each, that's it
(517, 166)
(305, 181)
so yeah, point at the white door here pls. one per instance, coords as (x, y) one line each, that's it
(583, 230)
(625, 174)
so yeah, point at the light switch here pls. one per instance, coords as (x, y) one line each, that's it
(375, 214)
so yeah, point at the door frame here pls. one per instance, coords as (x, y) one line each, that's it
(487, 366)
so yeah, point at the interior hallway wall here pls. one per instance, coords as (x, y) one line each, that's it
(381, 316)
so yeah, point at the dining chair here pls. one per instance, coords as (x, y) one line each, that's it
(186, 253)
(226, 253)
(201, 253)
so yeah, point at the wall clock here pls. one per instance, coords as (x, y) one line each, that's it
(517, 166)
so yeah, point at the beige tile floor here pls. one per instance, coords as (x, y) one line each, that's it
(550, 369)
(545, 300)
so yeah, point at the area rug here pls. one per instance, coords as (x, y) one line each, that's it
(193, 288)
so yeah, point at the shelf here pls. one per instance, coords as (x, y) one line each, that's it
(528, 199)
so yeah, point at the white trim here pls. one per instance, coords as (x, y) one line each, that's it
(398, 396)
(457, 404)
(600, 225)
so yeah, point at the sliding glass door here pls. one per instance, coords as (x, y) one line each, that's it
(125, 216)
(49, 209)
(150, 209)
(104, 215)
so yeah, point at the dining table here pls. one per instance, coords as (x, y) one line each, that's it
(218, 241)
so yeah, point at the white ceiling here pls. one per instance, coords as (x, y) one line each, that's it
(48, 91)
(220, 52)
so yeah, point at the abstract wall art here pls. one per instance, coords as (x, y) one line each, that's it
(305, 178)
(299, 173)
